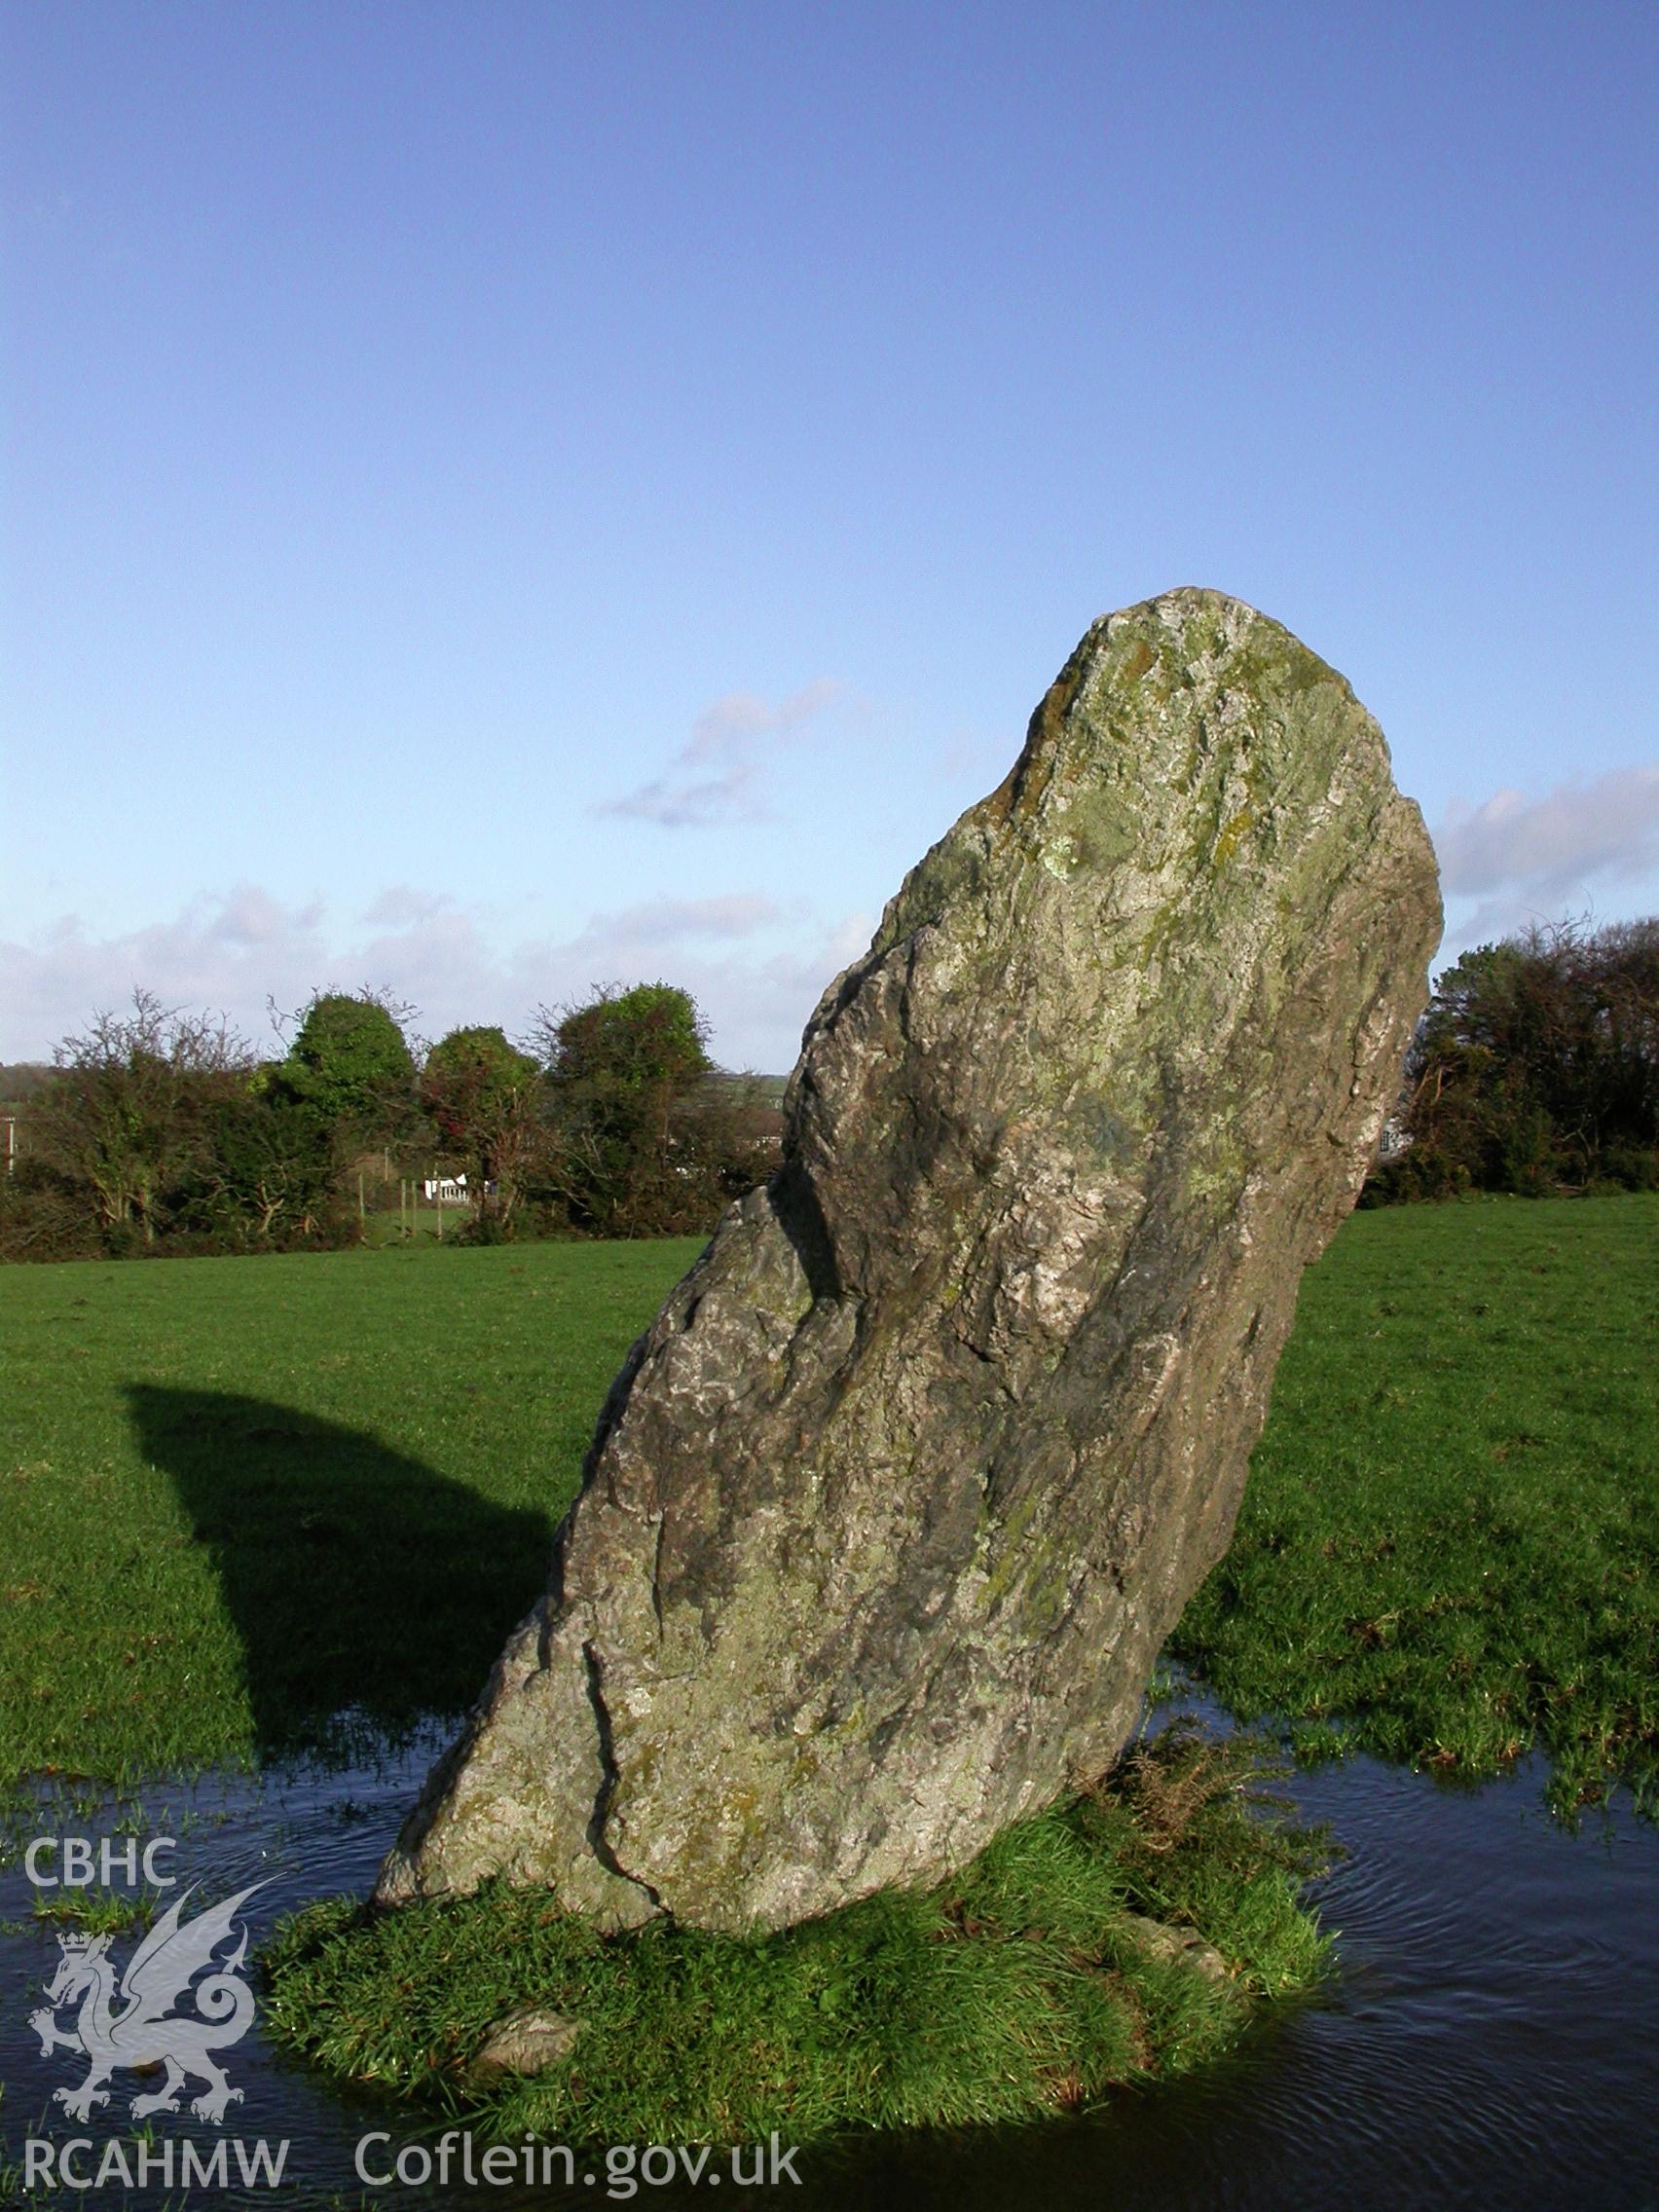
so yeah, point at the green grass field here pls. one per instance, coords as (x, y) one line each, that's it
(241, 1498)
(1449, 1550)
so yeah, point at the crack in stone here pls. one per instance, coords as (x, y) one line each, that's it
(610, 1775)
(656, 1574)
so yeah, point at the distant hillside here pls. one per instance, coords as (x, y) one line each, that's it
(20, 1079)
(768, 1088)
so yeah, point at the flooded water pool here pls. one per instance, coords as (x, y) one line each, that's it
(1491, 2040)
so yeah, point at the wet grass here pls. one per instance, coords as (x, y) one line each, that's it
(1031, 1983)
(1449, 1551)
(97, 1912)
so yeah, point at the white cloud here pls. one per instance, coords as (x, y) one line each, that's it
(1515, 861)
(227, 952)
(714, 778)
(754, 969)
(1551, 847)
(249, 916)
(401, 902)
(667, 922)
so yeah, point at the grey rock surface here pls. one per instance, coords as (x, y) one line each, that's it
(525, 2041)
(890, 1511)
(1176, 1946)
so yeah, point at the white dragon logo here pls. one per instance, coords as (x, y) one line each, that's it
(144, 2033)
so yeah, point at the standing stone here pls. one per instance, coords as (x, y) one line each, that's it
(890, 1511)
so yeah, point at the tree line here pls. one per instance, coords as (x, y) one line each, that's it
(157, 1130)
(1535, 1069)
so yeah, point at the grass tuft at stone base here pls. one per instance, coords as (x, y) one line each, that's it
(1027, 1984)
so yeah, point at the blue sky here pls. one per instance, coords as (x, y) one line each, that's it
(501, 497)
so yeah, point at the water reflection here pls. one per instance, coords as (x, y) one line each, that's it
(1493, 2040)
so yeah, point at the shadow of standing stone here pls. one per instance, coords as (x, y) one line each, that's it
(360, 1581)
